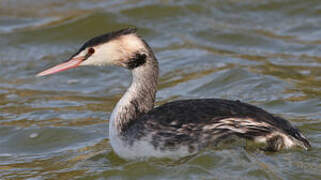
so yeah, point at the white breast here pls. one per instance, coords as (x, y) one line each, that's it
(142, 149)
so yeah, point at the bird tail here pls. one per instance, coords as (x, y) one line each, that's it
(275, 138)
(300, 139)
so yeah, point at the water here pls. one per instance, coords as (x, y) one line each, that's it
(265, 52)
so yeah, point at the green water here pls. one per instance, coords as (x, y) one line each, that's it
(263, 52)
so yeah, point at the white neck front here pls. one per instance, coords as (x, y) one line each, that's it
(138, 99)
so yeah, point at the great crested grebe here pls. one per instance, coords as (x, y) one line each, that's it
(179, 128)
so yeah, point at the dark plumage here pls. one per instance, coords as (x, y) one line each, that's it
(183, 122)
(107, 37)
(138, 60)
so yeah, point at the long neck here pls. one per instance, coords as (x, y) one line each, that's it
(139, 97)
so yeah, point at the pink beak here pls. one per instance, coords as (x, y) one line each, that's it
(74, 62)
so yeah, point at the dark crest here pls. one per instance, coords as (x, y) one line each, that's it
(105, 38)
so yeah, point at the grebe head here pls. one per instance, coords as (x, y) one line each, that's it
(121, 48)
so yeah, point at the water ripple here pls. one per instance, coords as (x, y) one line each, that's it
(264, 52)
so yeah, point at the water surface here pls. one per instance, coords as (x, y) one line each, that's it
(265, 52)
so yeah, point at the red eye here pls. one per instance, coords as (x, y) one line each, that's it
(91, 51)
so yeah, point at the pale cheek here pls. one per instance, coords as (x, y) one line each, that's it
(100, 59)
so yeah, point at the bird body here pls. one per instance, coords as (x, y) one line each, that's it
(174, 129)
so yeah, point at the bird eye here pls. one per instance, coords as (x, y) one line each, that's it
(91, 51)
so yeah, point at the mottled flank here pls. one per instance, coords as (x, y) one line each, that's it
(205, 122)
